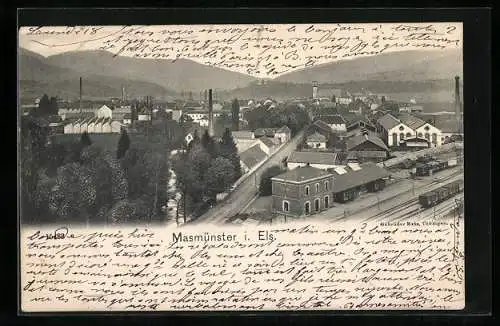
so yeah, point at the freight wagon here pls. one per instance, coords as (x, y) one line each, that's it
(432, 167)
(439, 195)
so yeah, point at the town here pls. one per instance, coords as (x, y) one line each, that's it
(201, 159)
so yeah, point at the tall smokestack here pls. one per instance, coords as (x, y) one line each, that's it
(80, 100)
(210, 114)
(315, 90)
(458, 105)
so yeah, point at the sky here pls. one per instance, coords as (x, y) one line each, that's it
(264, 51)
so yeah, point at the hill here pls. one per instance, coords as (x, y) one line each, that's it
(394, 66)
(38, 76)
(423, 91)
(181, 75)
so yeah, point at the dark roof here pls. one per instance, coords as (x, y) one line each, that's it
(411, 121)
(322, 126)
(448, 124)
(369, 172)
(333, 119)
(267, 141)
(316, 137)
(284, 129)
(264, 132)
(252, 156)
(358, 140)
(366, 154)
(388, 121)
(302, 174)
(127, 116)
(313, 157)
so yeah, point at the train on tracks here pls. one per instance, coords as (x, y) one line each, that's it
(439, 195)
(429, 168)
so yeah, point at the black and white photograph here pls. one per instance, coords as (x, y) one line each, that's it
(241, 167)
(124, 129)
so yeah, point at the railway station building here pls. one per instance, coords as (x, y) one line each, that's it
(307, 190)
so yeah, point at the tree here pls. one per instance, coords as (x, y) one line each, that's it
(85, 139)
(332, 141)
(265, 188)
(44, 106)
(53, 107)
(123, 144)
(229, 150)
(235, 114)
(220, 176)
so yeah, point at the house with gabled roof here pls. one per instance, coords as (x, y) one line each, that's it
(251, 157)
(316, 141)
(367, 148)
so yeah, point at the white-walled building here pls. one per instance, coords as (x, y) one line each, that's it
(316, 140)
(335, 122)
(283, 134)
(408, 130)
(104, 112)
(93, 125)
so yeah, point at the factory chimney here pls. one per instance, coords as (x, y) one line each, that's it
(80, 99)
(210, 114)
(315, 90)
(458, 105)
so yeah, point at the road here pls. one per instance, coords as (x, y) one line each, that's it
(239, 198)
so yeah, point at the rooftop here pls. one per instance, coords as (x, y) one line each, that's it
(252, 156)
(388, 121)
(333, 119)
(243, 134)
(369, 172)
(301, 174)
(411, 121)
(284, 129)
(267, 141)
(316, 137)
(313, 157)
(357, 140)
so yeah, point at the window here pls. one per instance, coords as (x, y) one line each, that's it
(394, 138)
(327, 201)
(307, 190)
(307, 208)
(434, 138)
(420, 135)
(408, 135)
(402, 136)
(326, 185)
(316, 204)
(401, 128)
(427, 136)
(317, 187)
(286, 206)
(426, 128)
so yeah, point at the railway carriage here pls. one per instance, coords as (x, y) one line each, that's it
(439, 195)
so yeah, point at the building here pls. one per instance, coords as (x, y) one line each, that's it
(319, 160)
(348, 184)
(316, 140)
(93, 125)
(144, 117)
(411, 108)
(251, 157)
(359, 122)
(127, 119)
(393, 131)
(243, 134)
(261, 132)
(320, 127)
(104, 112)
(335, 122)
(343, 100)
(301, 192)
(268, 145)
(176, 115)
(422, 129)
(367, 148)
(284, 134)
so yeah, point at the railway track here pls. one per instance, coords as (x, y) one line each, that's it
(411, 207)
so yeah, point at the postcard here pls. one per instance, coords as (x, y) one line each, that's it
(288, 167)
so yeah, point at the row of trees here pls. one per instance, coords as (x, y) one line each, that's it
(207, 168)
